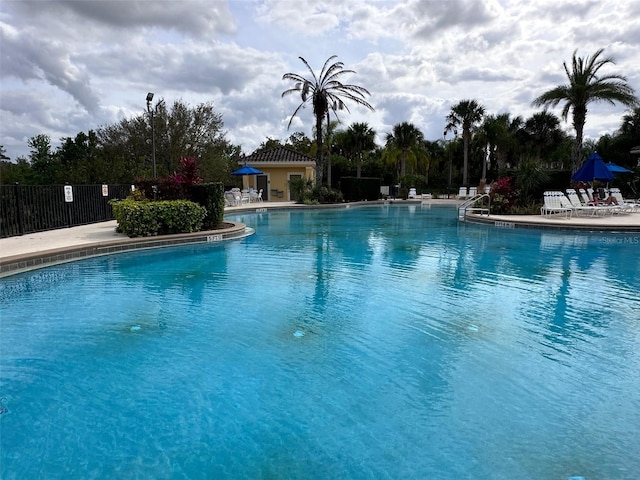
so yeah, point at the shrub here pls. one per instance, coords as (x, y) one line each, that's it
(211, 197)
(325, 194)
(144, 219)
(362, 188)
(301, 189)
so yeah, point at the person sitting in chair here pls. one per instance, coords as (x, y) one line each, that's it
(610, 200)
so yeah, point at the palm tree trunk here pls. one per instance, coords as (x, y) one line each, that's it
(319, 165)
(465, 167)
(579, 118)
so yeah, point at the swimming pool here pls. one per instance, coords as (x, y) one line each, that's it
(374, 342)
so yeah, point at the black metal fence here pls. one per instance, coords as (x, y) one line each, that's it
(36, 208)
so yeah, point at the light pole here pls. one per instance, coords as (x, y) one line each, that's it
(153, 133)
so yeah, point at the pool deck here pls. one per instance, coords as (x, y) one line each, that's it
(35, 250)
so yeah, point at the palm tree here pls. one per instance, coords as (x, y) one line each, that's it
(543, 131)
(500, 134)
(465, 114)
(406, 140)
(360, 138)
(631, 124)
(326, 93)
(584, 87)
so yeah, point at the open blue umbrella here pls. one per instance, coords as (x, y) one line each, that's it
(247, 170)
(617, 168)
(592, 169)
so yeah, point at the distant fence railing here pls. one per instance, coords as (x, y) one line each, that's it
(36, 208)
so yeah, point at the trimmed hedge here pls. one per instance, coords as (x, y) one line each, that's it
(363, 188)
(146, 219)
(211, 197)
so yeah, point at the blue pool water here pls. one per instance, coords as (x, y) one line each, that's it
(363, 343)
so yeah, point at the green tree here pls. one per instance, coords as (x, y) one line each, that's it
(586, 86)
(41, 159)
(299, 142)
(405, 142)
(326, 93)
(631, 124)
(268, 144)
(77, 159)
(180, 131)
(465, 115)
(360, 139)
(499, 133)
(542, 130)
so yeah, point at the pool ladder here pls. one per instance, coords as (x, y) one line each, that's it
(468, 206)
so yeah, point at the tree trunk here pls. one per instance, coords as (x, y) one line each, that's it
(579, 117)
(319, 166)
(465, 166)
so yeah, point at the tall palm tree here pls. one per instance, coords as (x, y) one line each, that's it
(631, 124)
(325, 92)
(405, 141)
(465, 114)
(586, 86)
(360, 138)
(500, 134)
(543, 131)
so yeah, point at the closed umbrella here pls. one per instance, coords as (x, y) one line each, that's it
(592, 169)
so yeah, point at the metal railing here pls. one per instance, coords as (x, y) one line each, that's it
(36, 208)
(470, 205)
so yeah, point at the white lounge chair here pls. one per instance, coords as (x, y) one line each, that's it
(462, 193)
(552, 204)
(473, 191)
(229, 199)
(580, 207)
(412, 193)
(626, 205)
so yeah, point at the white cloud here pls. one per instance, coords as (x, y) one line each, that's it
(70, 66)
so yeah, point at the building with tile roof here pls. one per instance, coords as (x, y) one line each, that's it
(279, 165)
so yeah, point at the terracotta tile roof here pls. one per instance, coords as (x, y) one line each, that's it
(278, 155)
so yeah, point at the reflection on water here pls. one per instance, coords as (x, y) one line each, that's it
(376, 342)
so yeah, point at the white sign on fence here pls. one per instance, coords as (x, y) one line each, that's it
(68, 193)
(105, 190)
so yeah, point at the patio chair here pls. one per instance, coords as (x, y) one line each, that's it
(259, 196)
(578, 205)
(412, 193)
(473, 191)
(584, 196)
(229, 199)
(627, 205)
(552, 204)
(462, 193)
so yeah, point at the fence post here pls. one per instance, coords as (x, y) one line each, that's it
(68, 198)
(19, 209)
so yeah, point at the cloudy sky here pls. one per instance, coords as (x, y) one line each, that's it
(75, 65)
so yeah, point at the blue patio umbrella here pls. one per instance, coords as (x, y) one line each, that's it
(592, 169)
(247, 170)
(617, 168)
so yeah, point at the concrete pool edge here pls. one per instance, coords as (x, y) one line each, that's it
(36, 249)
(625, 223)
(24, 262)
